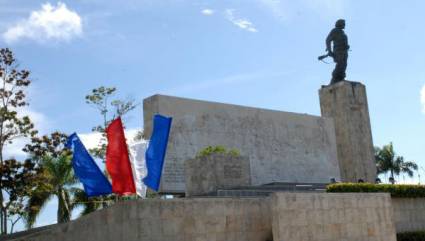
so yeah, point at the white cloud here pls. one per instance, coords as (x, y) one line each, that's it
(207, 12)
(242, 23)
(41, 122)
(423, 99)
(49, 23)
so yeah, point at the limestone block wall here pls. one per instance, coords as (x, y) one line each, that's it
(332, 217)
(201, 219)
(409, 214)
(281, 146)
(281, 217)
(346, 103)
(205, 175)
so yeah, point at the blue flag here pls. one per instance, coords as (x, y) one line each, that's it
(155, 154)
(94, 182)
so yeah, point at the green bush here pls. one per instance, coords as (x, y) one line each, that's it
(407, 191)
(217, 150)
(411, 236)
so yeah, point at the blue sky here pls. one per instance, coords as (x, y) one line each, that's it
(260, 53)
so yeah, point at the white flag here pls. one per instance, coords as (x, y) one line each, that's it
(138, 165)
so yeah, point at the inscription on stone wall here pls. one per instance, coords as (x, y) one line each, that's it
(232, 171)
(174, 172)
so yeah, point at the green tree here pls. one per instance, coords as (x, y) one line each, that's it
(51, 145)
(18, 182)
(60, 183)
(102, 99)
(17, 178)
(57, 174)
(388, 161)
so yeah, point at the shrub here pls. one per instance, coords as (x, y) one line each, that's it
(406, 191)
(411, 236)
(217, 150)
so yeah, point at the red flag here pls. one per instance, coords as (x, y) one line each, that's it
(117, 160)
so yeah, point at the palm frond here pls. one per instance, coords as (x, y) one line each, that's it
(35, 205)
(59, 179)
(388, 161)
(411, 164)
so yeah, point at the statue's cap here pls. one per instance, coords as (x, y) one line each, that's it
(340, 23)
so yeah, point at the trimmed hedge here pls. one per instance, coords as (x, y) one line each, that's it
(406, 191)
(411, 236)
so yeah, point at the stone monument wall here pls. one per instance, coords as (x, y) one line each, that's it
(346, 103)
(281, 146)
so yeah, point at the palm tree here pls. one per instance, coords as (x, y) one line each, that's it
(60, 179)
(388, 161)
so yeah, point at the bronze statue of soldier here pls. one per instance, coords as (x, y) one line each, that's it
(337, 39)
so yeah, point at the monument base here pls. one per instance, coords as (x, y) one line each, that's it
(346, 103)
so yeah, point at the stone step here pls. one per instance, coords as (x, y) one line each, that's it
(256, 193)
(285, 186)
(266, 190)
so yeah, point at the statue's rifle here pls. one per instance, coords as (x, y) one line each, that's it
(322, 57)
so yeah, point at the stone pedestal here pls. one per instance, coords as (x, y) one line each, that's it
(205, 175)
(346, 103)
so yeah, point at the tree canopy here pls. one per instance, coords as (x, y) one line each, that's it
(388, 161)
